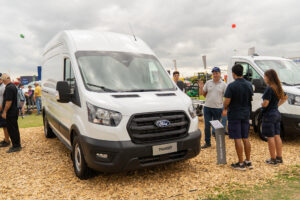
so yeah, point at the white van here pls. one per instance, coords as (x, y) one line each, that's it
(289, 74)
(109, 100)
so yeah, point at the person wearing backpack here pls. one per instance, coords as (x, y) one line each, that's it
(21, 99)
(273, 97)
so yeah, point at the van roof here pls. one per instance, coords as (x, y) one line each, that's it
(85, 40)
(253, 58)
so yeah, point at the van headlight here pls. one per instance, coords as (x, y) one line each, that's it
(192, 111)
(294, 99)
(102, 116)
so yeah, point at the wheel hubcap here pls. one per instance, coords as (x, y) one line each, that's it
(256, 120)
(77, 157)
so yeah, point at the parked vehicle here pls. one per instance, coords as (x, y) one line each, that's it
(289, 74)
(109, 100)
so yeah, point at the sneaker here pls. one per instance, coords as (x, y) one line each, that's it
(248, 164)
(279, 160)
(271, 161)
(13, 149)
(238, 166)
(206, 146)
(4, 143)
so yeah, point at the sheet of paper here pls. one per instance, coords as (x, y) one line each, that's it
(216, 124)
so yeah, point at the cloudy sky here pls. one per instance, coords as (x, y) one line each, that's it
(175, 29)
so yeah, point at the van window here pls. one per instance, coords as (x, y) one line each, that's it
(122, 72)
(250, 74)
(68, 73)
(287, 70)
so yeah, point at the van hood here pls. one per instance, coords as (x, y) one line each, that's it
(140, 102)
(291, 89)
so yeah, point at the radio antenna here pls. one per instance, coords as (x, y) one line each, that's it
(132, 31)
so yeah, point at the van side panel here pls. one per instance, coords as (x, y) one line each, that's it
(53, 71)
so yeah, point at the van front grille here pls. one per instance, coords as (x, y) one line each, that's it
(143, 128)
(165, 157)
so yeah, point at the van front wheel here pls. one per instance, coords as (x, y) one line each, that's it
(81, 169)
(263, 137)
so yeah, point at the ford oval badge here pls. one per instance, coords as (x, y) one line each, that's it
(162, 123)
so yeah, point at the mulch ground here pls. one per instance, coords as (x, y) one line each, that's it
(43, 170)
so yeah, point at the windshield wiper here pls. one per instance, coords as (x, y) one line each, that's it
(143, 90)
(284, 83)
(102, 87)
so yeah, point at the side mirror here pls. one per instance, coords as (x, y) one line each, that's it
(259, 85)
(64, 92)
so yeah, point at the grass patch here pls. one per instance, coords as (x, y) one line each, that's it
(285, 186)
(32, 120)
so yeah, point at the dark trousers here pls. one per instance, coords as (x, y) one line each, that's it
(13, 130)
(209, 115)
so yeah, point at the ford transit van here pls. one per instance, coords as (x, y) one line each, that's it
(289, 75)
(109, 100)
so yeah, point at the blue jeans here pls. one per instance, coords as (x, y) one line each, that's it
(209, 115)
(38, 102)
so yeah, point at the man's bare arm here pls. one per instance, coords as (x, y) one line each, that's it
(7, 106)
(226, 103)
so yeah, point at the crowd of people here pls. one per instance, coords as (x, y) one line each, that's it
(12, 105)
(232, 102)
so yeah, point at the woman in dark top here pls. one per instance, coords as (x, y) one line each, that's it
(273, 97)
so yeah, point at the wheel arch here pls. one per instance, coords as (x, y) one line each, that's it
(74, 131)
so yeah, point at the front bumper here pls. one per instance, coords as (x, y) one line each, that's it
(291, 124)
(125, 155)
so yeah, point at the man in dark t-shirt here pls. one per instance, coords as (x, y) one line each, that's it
(10, 113)
(237, 105)
(178, 82)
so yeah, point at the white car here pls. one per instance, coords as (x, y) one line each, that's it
(109, 100)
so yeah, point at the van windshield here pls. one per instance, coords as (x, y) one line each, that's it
(288, 71)
(122, 72)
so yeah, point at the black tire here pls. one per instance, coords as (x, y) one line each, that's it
(81, 169)
(259, 130)
(255, 121)
(47, 129)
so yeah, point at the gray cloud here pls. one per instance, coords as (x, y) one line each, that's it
(174, 29)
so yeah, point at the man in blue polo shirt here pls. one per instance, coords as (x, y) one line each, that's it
(237, 105)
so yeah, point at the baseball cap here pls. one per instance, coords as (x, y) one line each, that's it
(216, 69)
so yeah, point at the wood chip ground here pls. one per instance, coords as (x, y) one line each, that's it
(43, 170)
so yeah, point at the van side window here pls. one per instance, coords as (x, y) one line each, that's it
(250, 74)
(68, 73)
